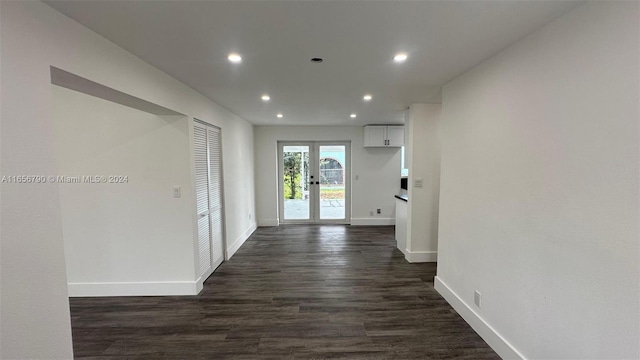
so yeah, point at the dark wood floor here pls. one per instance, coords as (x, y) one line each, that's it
(298, 292)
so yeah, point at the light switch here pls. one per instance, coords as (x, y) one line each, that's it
(417, 183)
(177, 192)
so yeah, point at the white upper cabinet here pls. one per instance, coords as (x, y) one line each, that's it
(395, 136)
(383, 136)
(375, 136)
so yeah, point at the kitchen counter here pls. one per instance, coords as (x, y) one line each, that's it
(401, 221)
(404, 198)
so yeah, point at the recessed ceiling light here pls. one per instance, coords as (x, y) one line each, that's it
(235, 58)
(400, 57)
(265, 97)
(353, 115)
(367, 97)
(280, 116)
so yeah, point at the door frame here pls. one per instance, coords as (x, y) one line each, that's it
(314, 191)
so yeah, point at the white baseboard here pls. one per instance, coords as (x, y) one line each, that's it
(231, 250)
(420, 256)
(488, 333)
(373, 221)
(268, 222)
(150, 288)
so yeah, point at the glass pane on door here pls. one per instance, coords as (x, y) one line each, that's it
(332, 181)
(296, 182)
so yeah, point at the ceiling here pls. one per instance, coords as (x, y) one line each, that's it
(190, 40)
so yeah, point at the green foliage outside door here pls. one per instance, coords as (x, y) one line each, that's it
(296, 164)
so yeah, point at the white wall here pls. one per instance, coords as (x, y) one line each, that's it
(539, 190)
(35, 315)
(423, 145)
(239, 190)
(378, 171)
(124, 235)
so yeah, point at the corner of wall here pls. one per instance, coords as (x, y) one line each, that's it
(237, 243)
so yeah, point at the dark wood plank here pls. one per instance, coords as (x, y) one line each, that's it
(290, 292)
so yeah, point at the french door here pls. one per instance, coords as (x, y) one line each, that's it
(207, 143)
(314, 182)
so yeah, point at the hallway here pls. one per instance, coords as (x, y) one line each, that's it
(289, 292)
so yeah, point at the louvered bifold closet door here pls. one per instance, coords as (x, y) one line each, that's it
(202, 196)
(215, 194)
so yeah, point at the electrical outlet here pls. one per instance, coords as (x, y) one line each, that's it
(177, 192)
(477, 298)
(371, 213)
(249, 216)
(357, 177)
(378, 211)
